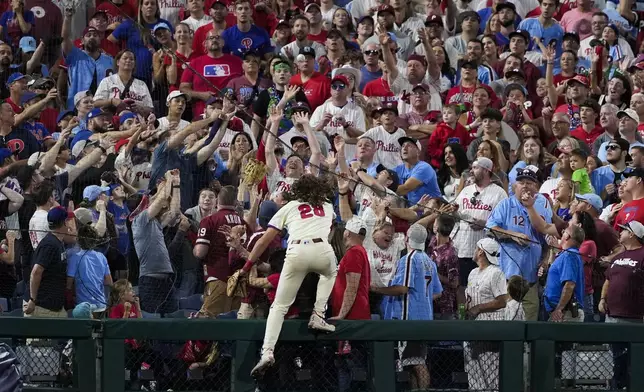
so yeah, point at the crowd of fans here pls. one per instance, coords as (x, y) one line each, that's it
(493, 147)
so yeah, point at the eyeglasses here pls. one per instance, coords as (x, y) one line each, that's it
(611, 147)
(473, 199)
(338, 86)
(372, 52)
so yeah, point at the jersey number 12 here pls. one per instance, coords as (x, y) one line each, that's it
(306, 211)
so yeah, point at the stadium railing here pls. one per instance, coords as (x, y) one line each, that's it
(105, 341)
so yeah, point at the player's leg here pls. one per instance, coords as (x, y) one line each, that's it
(291, 278)
(325, 265)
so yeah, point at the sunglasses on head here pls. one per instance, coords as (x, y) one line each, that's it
(338, 86)
(473, 199)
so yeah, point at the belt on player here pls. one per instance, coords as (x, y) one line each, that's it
(314, 240)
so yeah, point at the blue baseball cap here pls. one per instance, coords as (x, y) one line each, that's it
(4, 154)
(112, 187)
(64, 114)
(58, 215)
(92, 192)
(592, 199)
(14, 77)
(28, 44)
(28, 96)
(126, 116)
(267, 210)
(160, 26)
(96, 112)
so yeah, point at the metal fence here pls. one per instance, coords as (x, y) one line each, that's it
(217, 355)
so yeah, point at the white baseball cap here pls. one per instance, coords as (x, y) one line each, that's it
(80, 95)
(634, 227)
(632, 114)
(175, 94)
(417, 237)
(35, 158)
(356, 226)
(491, 249)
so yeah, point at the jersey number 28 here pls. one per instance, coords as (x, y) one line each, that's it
(306, 211)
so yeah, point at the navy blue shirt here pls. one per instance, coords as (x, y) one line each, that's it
(21, 142)
(237, 43)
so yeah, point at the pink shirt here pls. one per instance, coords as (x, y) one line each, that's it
(576, 21)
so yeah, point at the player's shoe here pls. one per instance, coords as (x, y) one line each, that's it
(267, 360)
(317, 322)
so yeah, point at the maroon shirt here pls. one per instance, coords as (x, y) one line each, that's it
(48, 18)
(625, 297)
(447, 266)
(216, 262)
(255, 294)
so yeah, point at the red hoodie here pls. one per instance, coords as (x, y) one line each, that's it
(442, 136)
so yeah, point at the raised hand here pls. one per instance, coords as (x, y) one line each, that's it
(276, 115)
(300, 118)
(290, 92)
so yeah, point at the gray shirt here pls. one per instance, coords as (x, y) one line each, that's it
(150, 246)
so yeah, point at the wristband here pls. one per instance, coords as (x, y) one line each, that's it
(248, 266)
(103, 149)
(343, 194)
(176, 186)
(32, 299)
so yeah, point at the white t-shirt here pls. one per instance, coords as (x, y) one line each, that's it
(320, 50)
(196, 23)
(387, 147)
(164, 123)
(327, 17)
(361, 8)
(464, 238)
(38, 227)
(364, 196)
(351, 112)
(484, 286)
(112, 86)
(304, 221)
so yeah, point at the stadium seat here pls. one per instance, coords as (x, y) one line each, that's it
(180, 314)
(4, 303)
(147, 315)
(193, 302)
(21, 288)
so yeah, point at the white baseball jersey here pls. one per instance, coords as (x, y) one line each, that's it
(352, 114)
(196, 23)
(464, 237)
(382, 261)
(164, 123)
(388, 149)
(401, 86)
(112, 86)
(304, 221)
(364, 196)
(277, 183)
(136, 175)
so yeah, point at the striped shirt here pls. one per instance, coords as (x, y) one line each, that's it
(483, 286)
(418, 273)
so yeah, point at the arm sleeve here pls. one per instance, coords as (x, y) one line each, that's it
(72, 266)
(437, 287)
(499, 285)
(187, 75)
(117, 311)
(279, 219)
(121, 31)
(498, 217)
(569, 268)
(101, 91)
(205, 232)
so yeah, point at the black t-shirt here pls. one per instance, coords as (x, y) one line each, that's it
(51, 255)
(91, 176)
(4, 75)
(21, 141)
(61, 183)
(260, 106)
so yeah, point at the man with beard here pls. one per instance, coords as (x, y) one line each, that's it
(86, 67)
(301, 29)
(560, 127)
(278, 95)
(6, 69)
(218, 69)
(607, 178)
(507, 17)
(236, 38)
(100, 21)
(218, 12)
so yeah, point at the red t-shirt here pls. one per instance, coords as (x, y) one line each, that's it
(640, 129)
(459, 94)
(561, 79)
(115, 13)
(118, 311)
(442, 136)
(217, 71)
(588, 252)
(317, 89)
(588, 137)
(199, 38)
(632, 211)
(48, 119)
(379, 88)
(321, 38)
(216, 261)
(182, 63)
(355, 260)
(16, 108)
(274, 280)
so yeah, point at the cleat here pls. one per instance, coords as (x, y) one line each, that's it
(317, 322)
